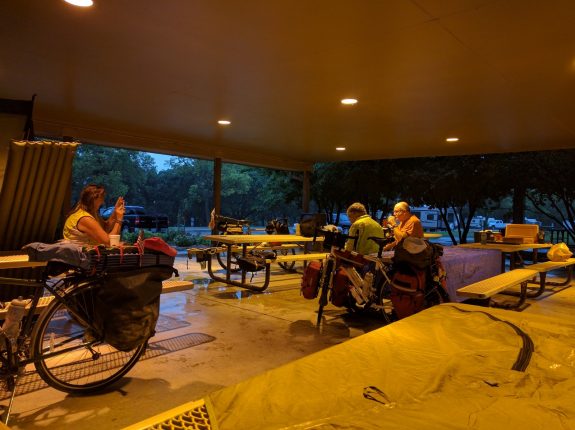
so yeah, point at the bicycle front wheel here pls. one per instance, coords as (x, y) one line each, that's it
(287, 265)
(72, 358)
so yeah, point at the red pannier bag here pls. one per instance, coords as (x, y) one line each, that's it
(311, 279)
(340, 288)
(408, 292)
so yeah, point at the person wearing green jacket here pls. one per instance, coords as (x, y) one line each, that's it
(363, 226)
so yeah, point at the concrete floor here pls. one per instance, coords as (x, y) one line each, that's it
(244, 334)
(252, 333)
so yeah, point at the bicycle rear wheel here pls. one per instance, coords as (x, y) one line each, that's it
(223, 259)
(72, 358)
(383, 303)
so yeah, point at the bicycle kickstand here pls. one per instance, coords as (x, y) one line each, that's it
(6, 415)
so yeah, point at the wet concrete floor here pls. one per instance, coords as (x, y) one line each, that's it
(208, 337)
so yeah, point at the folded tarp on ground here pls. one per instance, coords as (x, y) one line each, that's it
(447, 367)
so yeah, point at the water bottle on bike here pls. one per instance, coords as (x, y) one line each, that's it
(15, 313)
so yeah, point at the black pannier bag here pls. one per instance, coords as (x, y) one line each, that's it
(309, 223)
(255, 260)
(333, 238)
(277, 226)
(413, 252)
(128, 305)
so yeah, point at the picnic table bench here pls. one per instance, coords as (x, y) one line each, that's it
(543, 268)
(487, 288)
(549, 266)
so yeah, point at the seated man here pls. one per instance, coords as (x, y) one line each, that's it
(409, 225)
(363, 226)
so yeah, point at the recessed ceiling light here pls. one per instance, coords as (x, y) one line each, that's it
(452, 139)
(82, 3)
(348, 101)
(224, 122)
(340, 148)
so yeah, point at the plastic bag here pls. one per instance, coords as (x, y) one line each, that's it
(559, 252)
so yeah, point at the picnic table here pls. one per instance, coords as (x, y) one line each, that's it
(509, 249)
(233, 242)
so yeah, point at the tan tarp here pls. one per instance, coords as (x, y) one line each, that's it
(439, 369)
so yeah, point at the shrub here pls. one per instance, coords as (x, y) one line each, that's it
(172, 237)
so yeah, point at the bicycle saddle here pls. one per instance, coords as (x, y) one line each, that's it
(381, 241)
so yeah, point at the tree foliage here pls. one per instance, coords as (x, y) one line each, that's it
(123, 173)
(553, 193)
(454, 185)
(184, 191)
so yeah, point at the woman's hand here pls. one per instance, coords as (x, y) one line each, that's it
(119, 203)
(119, 208)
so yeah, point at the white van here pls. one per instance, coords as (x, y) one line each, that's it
(431, 219)
(477, 222)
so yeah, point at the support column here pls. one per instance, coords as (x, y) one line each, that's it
(217, 187)
(306, 191)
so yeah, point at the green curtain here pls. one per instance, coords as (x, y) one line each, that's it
(36, 182)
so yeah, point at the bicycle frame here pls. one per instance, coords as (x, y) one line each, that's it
(338, 257)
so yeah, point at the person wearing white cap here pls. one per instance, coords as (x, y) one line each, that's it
(363, 226)
(409, 225)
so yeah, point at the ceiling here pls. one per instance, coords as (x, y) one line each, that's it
(156, 76)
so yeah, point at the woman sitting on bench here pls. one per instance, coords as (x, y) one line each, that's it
(85, 226)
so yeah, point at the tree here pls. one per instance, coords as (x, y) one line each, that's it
(554, 194)
(122, 172)
(451, 184)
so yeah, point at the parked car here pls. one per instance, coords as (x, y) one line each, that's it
(135, 218)
(531, 221)
(493, 223)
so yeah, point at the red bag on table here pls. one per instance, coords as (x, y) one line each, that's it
(157, 244)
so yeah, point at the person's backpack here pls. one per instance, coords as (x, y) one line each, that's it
(310, 281)
(408, 286)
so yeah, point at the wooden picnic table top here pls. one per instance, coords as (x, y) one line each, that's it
(241, 239)
(18, 261)
(506, 247)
